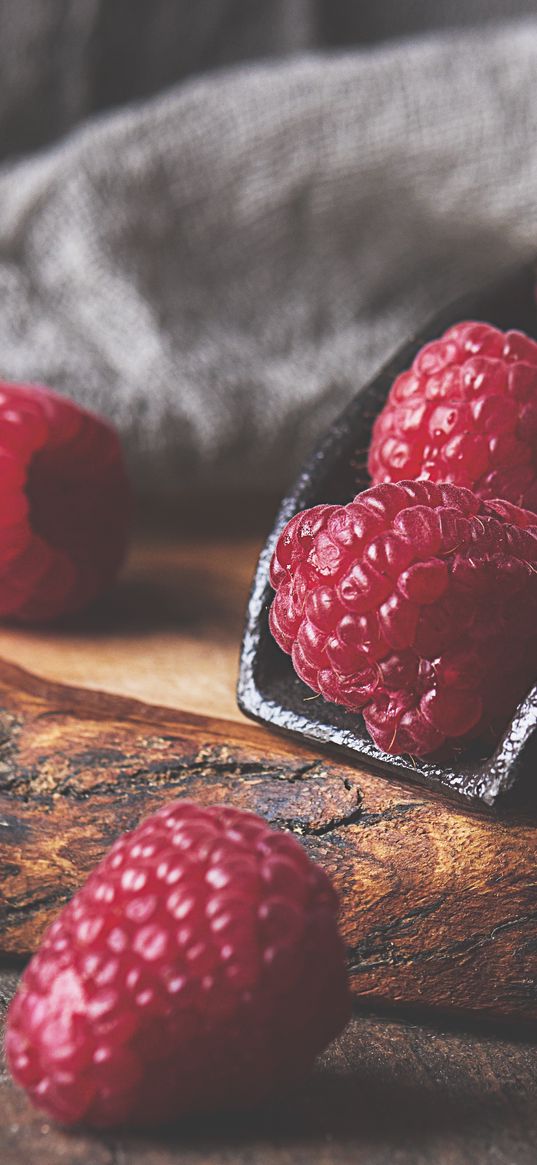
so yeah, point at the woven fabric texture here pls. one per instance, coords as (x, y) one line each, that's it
(219, 268)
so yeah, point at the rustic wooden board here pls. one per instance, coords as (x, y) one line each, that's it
(439, 906)
(385, 1093)
(168, 633)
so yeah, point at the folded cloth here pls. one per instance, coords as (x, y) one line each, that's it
(63, 60)
(220, 268)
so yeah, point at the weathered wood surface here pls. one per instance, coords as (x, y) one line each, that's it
(385, 1092)
(439, 906)
(169, 633)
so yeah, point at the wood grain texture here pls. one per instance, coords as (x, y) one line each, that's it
(386, 1092)
(439, 906)
(169, 633)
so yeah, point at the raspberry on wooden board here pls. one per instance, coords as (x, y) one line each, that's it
(416, 604)
(65, 504)
(199, 968)
(464, 413)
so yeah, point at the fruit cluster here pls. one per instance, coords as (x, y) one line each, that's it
(416, 603)
(200, 967)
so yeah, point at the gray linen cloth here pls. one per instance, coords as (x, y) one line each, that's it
(218, 269)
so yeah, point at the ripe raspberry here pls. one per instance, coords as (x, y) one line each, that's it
(198, 968)
(415, 604)
(465, 413)
(64, 503)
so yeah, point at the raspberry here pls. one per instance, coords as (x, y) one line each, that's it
(65, 504)
(415, 604)
(464, 413)
(198, 968)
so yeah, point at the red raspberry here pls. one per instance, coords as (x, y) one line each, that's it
(65, 504)
(198, 968)
(415, 604)
(465, 413)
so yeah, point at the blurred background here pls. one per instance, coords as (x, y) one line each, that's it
(218, 219)
(67, 59)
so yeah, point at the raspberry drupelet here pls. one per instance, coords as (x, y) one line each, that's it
(416, 604)
(199, 968)
(65, 506)
(464, 413)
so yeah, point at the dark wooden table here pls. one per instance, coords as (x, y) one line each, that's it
(390, 1090)
(387, 1092)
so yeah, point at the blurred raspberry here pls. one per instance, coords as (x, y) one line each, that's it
(464, 413)
(199, 968)
(415, 604)
(64, 504)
